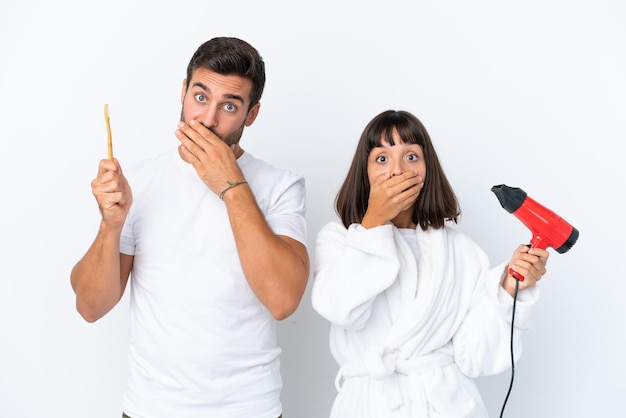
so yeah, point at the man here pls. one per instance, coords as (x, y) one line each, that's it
(215, 240)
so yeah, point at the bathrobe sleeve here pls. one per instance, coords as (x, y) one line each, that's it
(482, 342)
(352, 267)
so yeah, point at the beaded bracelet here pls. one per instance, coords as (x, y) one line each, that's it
(230, 186)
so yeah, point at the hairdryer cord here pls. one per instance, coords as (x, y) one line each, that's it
(512, 357)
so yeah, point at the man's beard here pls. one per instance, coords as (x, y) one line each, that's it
(230, 139)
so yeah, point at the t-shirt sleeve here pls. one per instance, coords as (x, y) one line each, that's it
(287, 214)
(127, 240)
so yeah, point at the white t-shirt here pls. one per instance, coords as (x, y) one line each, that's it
(201, 343)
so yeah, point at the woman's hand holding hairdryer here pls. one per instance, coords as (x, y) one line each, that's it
(530, 263)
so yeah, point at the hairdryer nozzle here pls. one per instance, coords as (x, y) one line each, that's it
(511, 198)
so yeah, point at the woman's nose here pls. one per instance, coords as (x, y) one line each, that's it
(397, 169)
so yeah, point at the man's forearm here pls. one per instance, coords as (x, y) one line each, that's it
(96, 277)
(277, 268)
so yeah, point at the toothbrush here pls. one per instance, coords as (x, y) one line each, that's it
(109, 138)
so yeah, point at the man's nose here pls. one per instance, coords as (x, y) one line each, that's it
(209, 117)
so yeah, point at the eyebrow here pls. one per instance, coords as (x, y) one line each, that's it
(226, 96)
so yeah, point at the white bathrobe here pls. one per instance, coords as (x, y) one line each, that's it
(409, 337)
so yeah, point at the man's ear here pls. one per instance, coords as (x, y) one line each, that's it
(252, 114)
(182, 93)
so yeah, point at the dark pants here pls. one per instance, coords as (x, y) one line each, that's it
(126, 416)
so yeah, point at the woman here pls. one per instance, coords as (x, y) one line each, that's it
(415, 312)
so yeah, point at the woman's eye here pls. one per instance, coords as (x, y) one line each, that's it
(230, 107)
(412, 157)
(381, 159)
(200, 98)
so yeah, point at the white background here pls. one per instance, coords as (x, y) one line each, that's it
(530, 94)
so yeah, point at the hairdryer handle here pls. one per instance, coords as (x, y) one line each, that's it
(516, 274)
(535, 242)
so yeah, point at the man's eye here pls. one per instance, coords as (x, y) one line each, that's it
(230, 107)
(200, 98)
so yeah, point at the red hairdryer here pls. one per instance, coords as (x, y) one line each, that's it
(548, 228)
